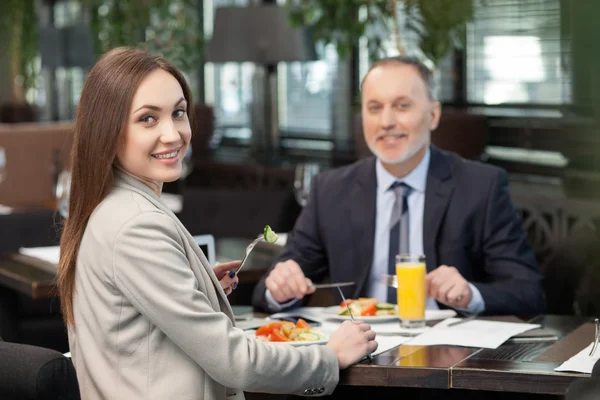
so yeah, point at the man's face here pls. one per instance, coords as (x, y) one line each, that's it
(397, 113)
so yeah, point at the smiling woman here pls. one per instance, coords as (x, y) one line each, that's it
(157, 133)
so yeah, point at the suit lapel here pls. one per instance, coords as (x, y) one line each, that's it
(363, 206)
(438, 192)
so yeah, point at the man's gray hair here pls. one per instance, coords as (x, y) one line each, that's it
(425, 73)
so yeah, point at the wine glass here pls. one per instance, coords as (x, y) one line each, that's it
(2, 164)
(303, 176)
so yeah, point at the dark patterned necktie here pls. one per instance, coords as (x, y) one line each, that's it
(399, 232)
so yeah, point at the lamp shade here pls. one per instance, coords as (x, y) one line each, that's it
(257, 33)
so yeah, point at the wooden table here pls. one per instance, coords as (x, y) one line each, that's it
(451, 372)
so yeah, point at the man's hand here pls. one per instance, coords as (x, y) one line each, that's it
(446, 285)
(287, 281)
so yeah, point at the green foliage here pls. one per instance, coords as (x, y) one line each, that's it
(439, 24)
(168, 27)
(337, 22)
(18, 22)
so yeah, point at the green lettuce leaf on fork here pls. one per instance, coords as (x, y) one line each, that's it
(270, 235)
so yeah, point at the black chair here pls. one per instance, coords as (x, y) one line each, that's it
(36, 373)
(572, 276)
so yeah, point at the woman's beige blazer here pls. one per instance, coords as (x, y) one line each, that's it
(152, 321)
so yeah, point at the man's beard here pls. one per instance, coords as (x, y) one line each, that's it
(412, 149)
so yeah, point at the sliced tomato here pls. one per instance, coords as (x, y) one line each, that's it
(342, 304)
(302, 324)
(368, 310)
(277, 336)
(265, 330)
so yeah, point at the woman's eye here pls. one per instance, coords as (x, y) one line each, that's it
(148, 119)
(179, 113)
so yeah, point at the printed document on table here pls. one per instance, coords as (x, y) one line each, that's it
(474, 333)
(581, 362)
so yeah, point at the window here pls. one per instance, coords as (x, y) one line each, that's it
(305, 94)
(515, 54)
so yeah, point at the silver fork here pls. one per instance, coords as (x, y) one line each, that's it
(248, 250)
(596, 337)
(368, 356)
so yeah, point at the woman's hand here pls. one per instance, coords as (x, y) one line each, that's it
(351, 342)
(226, 275)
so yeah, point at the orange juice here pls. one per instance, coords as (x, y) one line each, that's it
(411, 290)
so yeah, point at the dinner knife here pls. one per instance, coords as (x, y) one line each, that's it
(332, 285)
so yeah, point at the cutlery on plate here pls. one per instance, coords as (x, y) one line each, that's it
(368, 356)
(346, 303)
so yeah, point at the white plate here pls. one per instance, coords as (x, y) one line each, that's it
(430, 315)
(331, 312)
(252, 333)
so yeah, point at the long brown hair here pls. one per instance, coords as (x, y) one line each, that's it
(103, 110)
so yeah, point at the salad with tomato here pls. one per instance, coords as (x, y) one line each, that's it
(366, 307)
(287, 331)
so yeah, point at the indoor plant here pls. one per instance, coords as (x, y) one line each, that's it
(169, 27)
(439, 24)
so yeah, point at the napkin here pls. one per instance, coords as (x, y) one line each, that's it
(581, 362)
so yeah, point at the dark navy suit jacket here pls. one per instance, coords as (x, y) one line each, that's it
(469, 222)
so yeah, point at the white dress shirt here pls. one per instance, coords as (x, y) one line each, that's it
(417, 180)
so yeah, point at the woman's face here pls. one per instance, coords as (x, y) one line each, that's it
(157, 132)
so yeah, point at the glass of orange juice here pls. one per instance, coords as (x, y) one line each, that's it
(410, 273)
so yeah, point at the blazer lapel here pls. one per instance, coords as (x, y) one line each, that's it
(362, 221)
(438, 192)
(131, 183)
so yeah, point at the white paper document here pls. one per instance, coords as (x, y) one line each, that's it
(580, 362)
(475, 333)
(50, 254)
